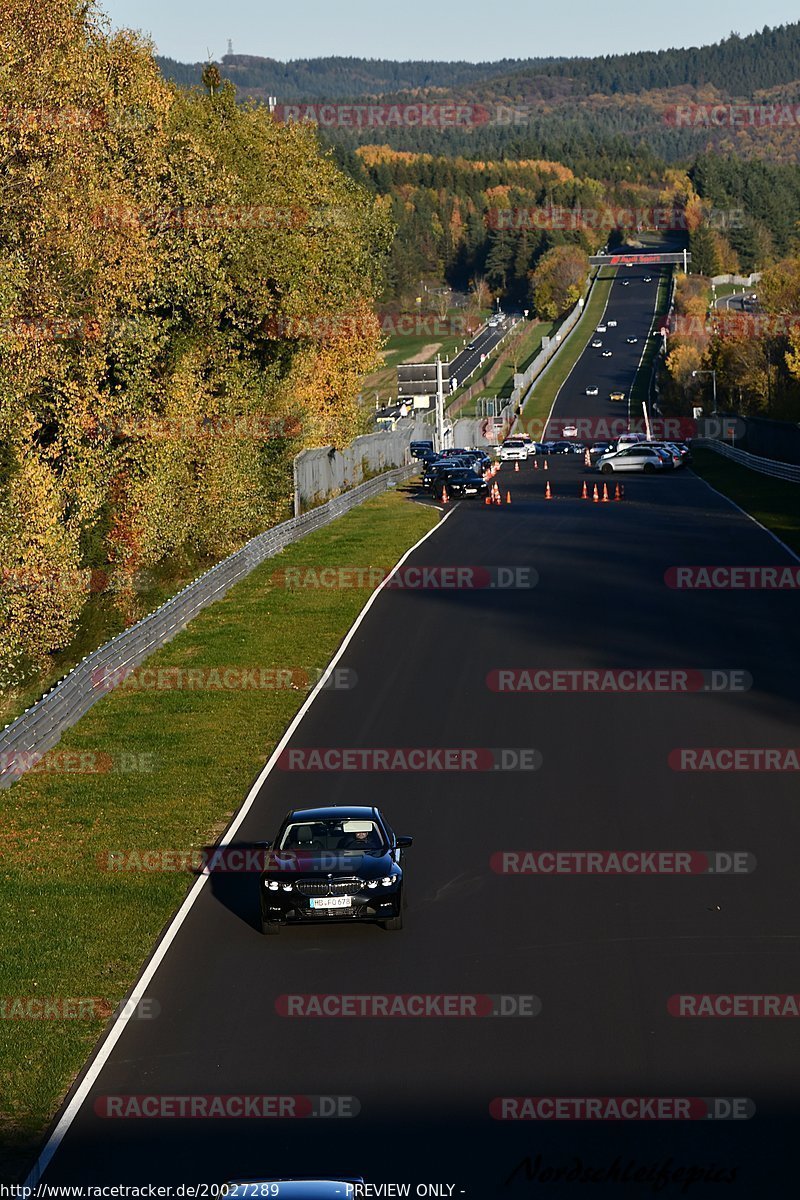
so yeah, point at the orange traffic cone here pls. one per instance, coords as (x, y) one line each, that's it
(548, 495)
(605, 493)
(546, 466)
(595, 494)
(587, 462)
(445, 497)
(617, 493)
(508, 497)
(516, 466)
(488, 499)
(584, 491)
(535, 465)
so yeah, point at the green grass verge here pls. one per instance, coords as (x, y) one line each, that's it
(544, 391)
(72, 929)
(100, 621)
(773, 502)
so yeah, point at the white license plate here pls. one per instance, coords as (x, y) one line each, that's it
(331, 901)
(471, 491)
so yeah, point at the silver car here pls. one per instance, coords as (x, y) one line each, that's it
(631, 458)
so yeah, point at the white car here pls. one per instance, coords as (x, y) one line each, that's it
(513, 448)
(631, 458)
(597, 343)
(600, 329)
(592, 391)
(570, 431)
(612, 324)
(648, 278)
(606, 354)
(631, 341)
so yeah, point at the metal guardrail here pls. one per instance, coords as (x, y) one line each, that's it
(764, 466)
(40, 727)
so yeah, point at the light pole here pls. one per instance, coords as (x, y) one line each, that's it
(713, 375)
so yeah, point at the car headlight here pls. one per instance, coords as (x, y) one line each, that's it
(388, 880)
(272, 884)
(371, 883)
(287, 887)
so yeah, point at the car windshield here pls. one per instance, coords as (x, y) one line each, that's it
(348, 834)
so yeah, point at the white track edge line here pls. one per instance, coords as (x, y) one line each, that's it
(750, 517)
(76, 1103)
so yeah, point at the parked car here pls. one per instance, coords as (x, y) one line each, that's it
(420, 449)
(333, 864)
(460, 483)
(631, 458)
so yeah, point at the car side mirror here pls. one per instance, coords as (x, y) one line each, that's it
(403, 842)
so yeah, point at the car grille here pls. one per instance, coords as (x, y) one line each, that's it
(328, 887)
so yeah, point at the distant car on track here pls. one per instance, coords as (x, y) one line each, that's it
(570, 431)
(612, 324)
(597, 343)
(592, 390)
(616, 395)
(606, 354)
(333, 864)
(631, 341)
(514, 448)
(625, 282)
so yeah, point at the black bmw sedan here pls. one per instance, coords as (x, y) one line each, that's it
(333, 864)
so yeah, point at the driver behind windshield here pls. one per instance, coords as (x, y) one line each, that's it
(362, 839)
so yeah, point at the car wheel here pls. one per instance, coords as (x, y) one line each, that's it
(606, 469)
(270, 927)
(649, 469)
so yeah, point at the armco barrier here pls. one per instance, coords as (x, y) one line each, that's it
(764, 466)
(40, 727)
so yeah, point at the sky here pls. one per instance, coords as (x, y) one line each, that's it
(474, 30)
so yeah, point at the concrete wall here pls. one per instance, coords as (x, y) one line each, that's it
(323, 472)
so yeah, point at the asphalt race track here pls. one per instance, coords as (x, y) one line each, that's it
(602, 954)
